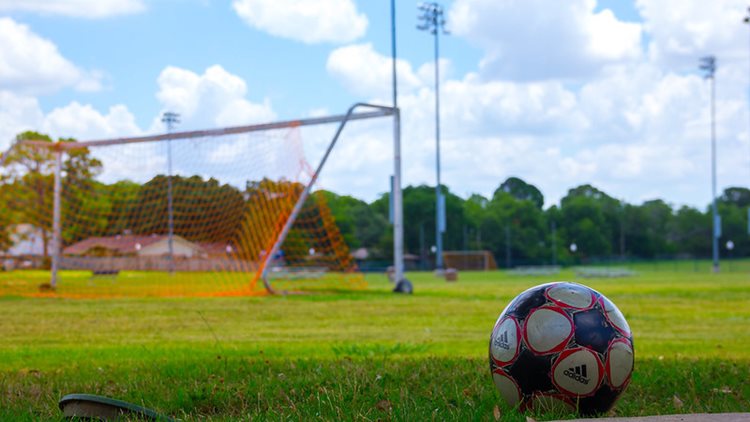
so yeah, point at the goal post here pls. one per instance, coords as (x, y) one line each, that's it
(285, 209)
(398, 230)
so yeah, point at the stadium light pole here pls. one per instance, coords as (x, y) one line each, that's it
(433, 21)
(746, 20)
(170, 119)
(708, 65)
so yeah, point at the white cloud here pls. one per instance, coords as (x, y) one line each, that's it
(682, 31)
(32, 64)
(215, 98)
(539, 39)
(91, 9)
(18, 113)
(302, 20)
(83, 122)
(367, 73)
(635, 130)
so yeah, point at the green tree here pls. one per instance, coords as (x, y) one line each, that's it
(523, 191)
(606, 215)
(360, 225)
(583, 223)
(30, 176)
(6, 217)
(691, 232)
(121, 201)
(204, 210)
(648, 229)
(85, 205)
(739, 197)
(733, 207)
(514, 229)
(31, 179)
(475, 211)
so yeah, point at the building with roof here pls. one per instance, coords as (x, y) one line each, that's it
(134, 245)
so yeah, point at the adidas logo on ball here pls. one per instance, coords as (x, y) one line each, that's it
(501, 341)
(578, 373)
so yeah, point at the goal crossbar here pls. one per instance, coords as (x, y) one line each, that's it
(174, 136)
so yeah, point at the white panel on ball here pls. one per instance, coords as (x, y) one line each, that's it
(547, 329)
(507, 387)
(578, 372)
(615, 316)
(619, 363)
(572, 295)
(505, 341)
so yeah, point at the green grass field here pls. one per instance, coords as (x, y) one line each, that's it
(363, 355)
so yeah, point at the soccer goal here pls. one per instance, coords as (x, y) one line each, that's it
(470, 260)
(219, 212)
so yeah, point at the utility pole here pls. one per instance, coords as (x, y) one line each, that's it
(747, 21)
(708, 65)
(170, 119)
(433, 21)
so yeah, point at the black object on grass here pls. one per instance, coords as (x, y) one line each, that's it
(404, 286)
(89, 406)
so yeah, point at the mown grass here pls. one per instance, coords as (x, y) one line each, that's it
(363, 355)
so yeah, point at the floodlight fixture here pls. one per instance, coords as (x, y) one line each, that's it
(170, 118)
(708, 65)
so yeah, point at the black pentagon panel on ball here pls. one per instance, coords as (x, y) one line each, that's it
(599, 403)
(526, 302)
(592, 330)
(531, 372)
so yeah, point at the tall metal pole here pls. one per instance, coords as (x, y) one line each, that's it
(170, 119)
(717, 222)
(56, 217)
(434, 22)
(747, 21)
(708, 64)
(398, 214)
(440, 212)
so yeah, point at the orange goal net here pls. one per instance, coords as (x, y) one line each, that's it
(214, 213)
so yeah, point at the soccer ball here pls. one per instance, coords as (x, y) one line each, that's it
(561, 346)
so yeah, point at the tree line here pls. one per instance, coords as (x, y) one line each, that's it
(512, 224)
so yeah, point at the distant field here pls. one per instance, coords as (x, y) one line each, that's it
(362, 355)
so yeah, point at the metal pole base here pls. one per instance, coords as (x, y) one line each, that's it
(404, 286)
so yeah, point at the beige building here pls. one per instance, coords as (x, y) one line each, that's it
(134, 245)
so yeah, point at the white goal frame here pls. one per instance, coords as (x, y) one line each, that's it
(375, 111)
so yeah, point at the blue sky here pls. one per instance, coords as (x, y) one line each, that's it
(131, 51)
(557, 93)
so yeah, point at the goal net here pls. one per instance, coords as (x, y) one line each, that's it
(183, 214)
